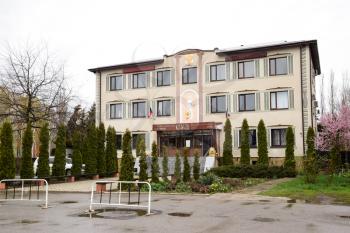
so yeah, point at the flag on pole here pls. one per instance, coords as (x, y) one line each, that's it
(150, 113)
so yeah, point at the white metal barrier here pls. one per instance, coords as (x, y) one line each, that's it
(22, 187)
(119, 193)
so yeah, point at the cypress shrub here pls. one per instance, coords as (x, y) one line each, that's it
(249, 171)
(263, 158)
(155, 165)
(245, 148)
(227, 152)
(101, 151)
(143, 176)
(127, 163)
(187, 169)
(91, 150)
(165, 165)
(26, 161)
(111, 152)
(43, 162)
(76, 156)
(310, 163)
(335, 161)
(7, 159)
(177, 169)
(196, 166)
(289, 161)
(59, 164)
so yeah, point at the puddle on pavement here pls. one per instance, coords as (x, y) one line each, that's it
(290, 205)
(115, 213)
(68, 202)
(262, 219)
(177, 199)
(264, 201)
(344, 216)
(292, 201)
(27, 221)
(180, 214)
(247, 203)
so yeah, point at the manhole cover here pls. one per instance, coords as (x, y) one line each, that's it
(262, 219)
(116, 213)
(68, 202)
(180, 214)
(27, 221)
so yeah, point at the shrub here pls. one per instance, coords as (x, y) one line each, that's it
(26, 161)
(245, 171)
(289, 161)
(165, 166)
(76, 156)
(219, 187)
(196, 166)
(43, 163)
(111, 153)
(59, 164)
(227, 152)
(91, 150)
(177, 169)
(310, 163)
(143, 176)
(183, 187)
(155, 165)
(245, 150)
(263, 158)
(187, 169)
(199, 188)
(7, 159)
(159, 186)
(127, 163)
(100, 150)
(208, 178)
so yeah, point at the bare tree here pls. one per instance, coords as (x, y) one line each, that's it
(332, 93)
(345, 90)
(33, 86)
(322, 97)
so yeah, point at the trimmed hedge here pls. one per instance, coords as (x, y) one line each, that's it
(253, 171)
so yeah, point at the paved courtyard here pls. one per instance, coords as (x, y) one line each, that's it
(239, 212)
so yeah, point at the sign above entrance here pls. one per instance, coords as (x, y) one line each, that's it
(187, 126)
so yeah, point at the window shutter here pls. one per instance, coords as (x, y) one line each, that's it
(257, 68)
(257, 101)
(124, 110)
(267, 100)
(266, 67)
(235, 137)
(172, 76)
(107, 83)
(147, 108)
(268, 130)
(228, 103)
(234, 100)
(207, 73)
(228, 70)
(207, 103)
(290, 64)
(234, 70)
(148, 79)
(154, 78)
(129, 110)
(130, 81)
(124, 81)
(107, 111)
(172, 107)
(291, 99)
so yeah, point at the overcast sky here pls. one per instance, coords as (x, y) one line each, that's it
(88, 34)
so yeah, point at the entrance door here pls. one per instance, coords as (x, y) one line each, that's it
(207, 143)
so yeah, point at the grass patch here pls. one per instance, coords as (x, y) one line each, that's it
(338, 189)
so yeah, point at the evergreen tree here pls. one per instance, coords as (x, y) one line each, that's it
(155, 165)
(310, 162)
(227, 152)
(187, 169)
(111, 152)
(76, 156)
(26, 161)
(59, 164)
(263, 158)
(165, 165)
(101, 152)
(289, 161)
(43, 163)
(7, 159)
(245, 147)
(143, 176)
(196, 166)
(177, 169)
(127, 163)
(91, 150)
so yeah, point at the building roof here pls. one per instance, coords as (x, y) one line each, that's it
(235, 50)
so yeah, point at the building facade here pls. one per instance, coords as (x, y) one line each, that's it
(183, 99)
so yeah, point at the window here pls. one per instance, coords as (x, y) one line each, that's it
(116, 111)
(217, 72)
(139, 80)
(246, 102)
(138, 109)
(252, 138)
(189, 75)
(118, 141)
(134, 139)
(163, 78)
(163, 108)
(116, 83)
(218, 104)
(278, 137)
(279, 100)
(246, 69)
(278, 66)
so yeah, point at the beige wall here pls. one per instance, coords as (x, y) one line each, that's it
(260, 85)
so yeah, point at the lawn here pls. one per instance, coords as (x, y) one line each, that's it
(323, 191)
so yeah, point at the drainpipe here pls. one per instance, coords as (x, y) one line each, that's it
(100, 98)
(302, 99)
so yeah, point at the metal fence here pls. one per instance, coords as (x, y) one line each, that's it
(25, 187)
(117, 191)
